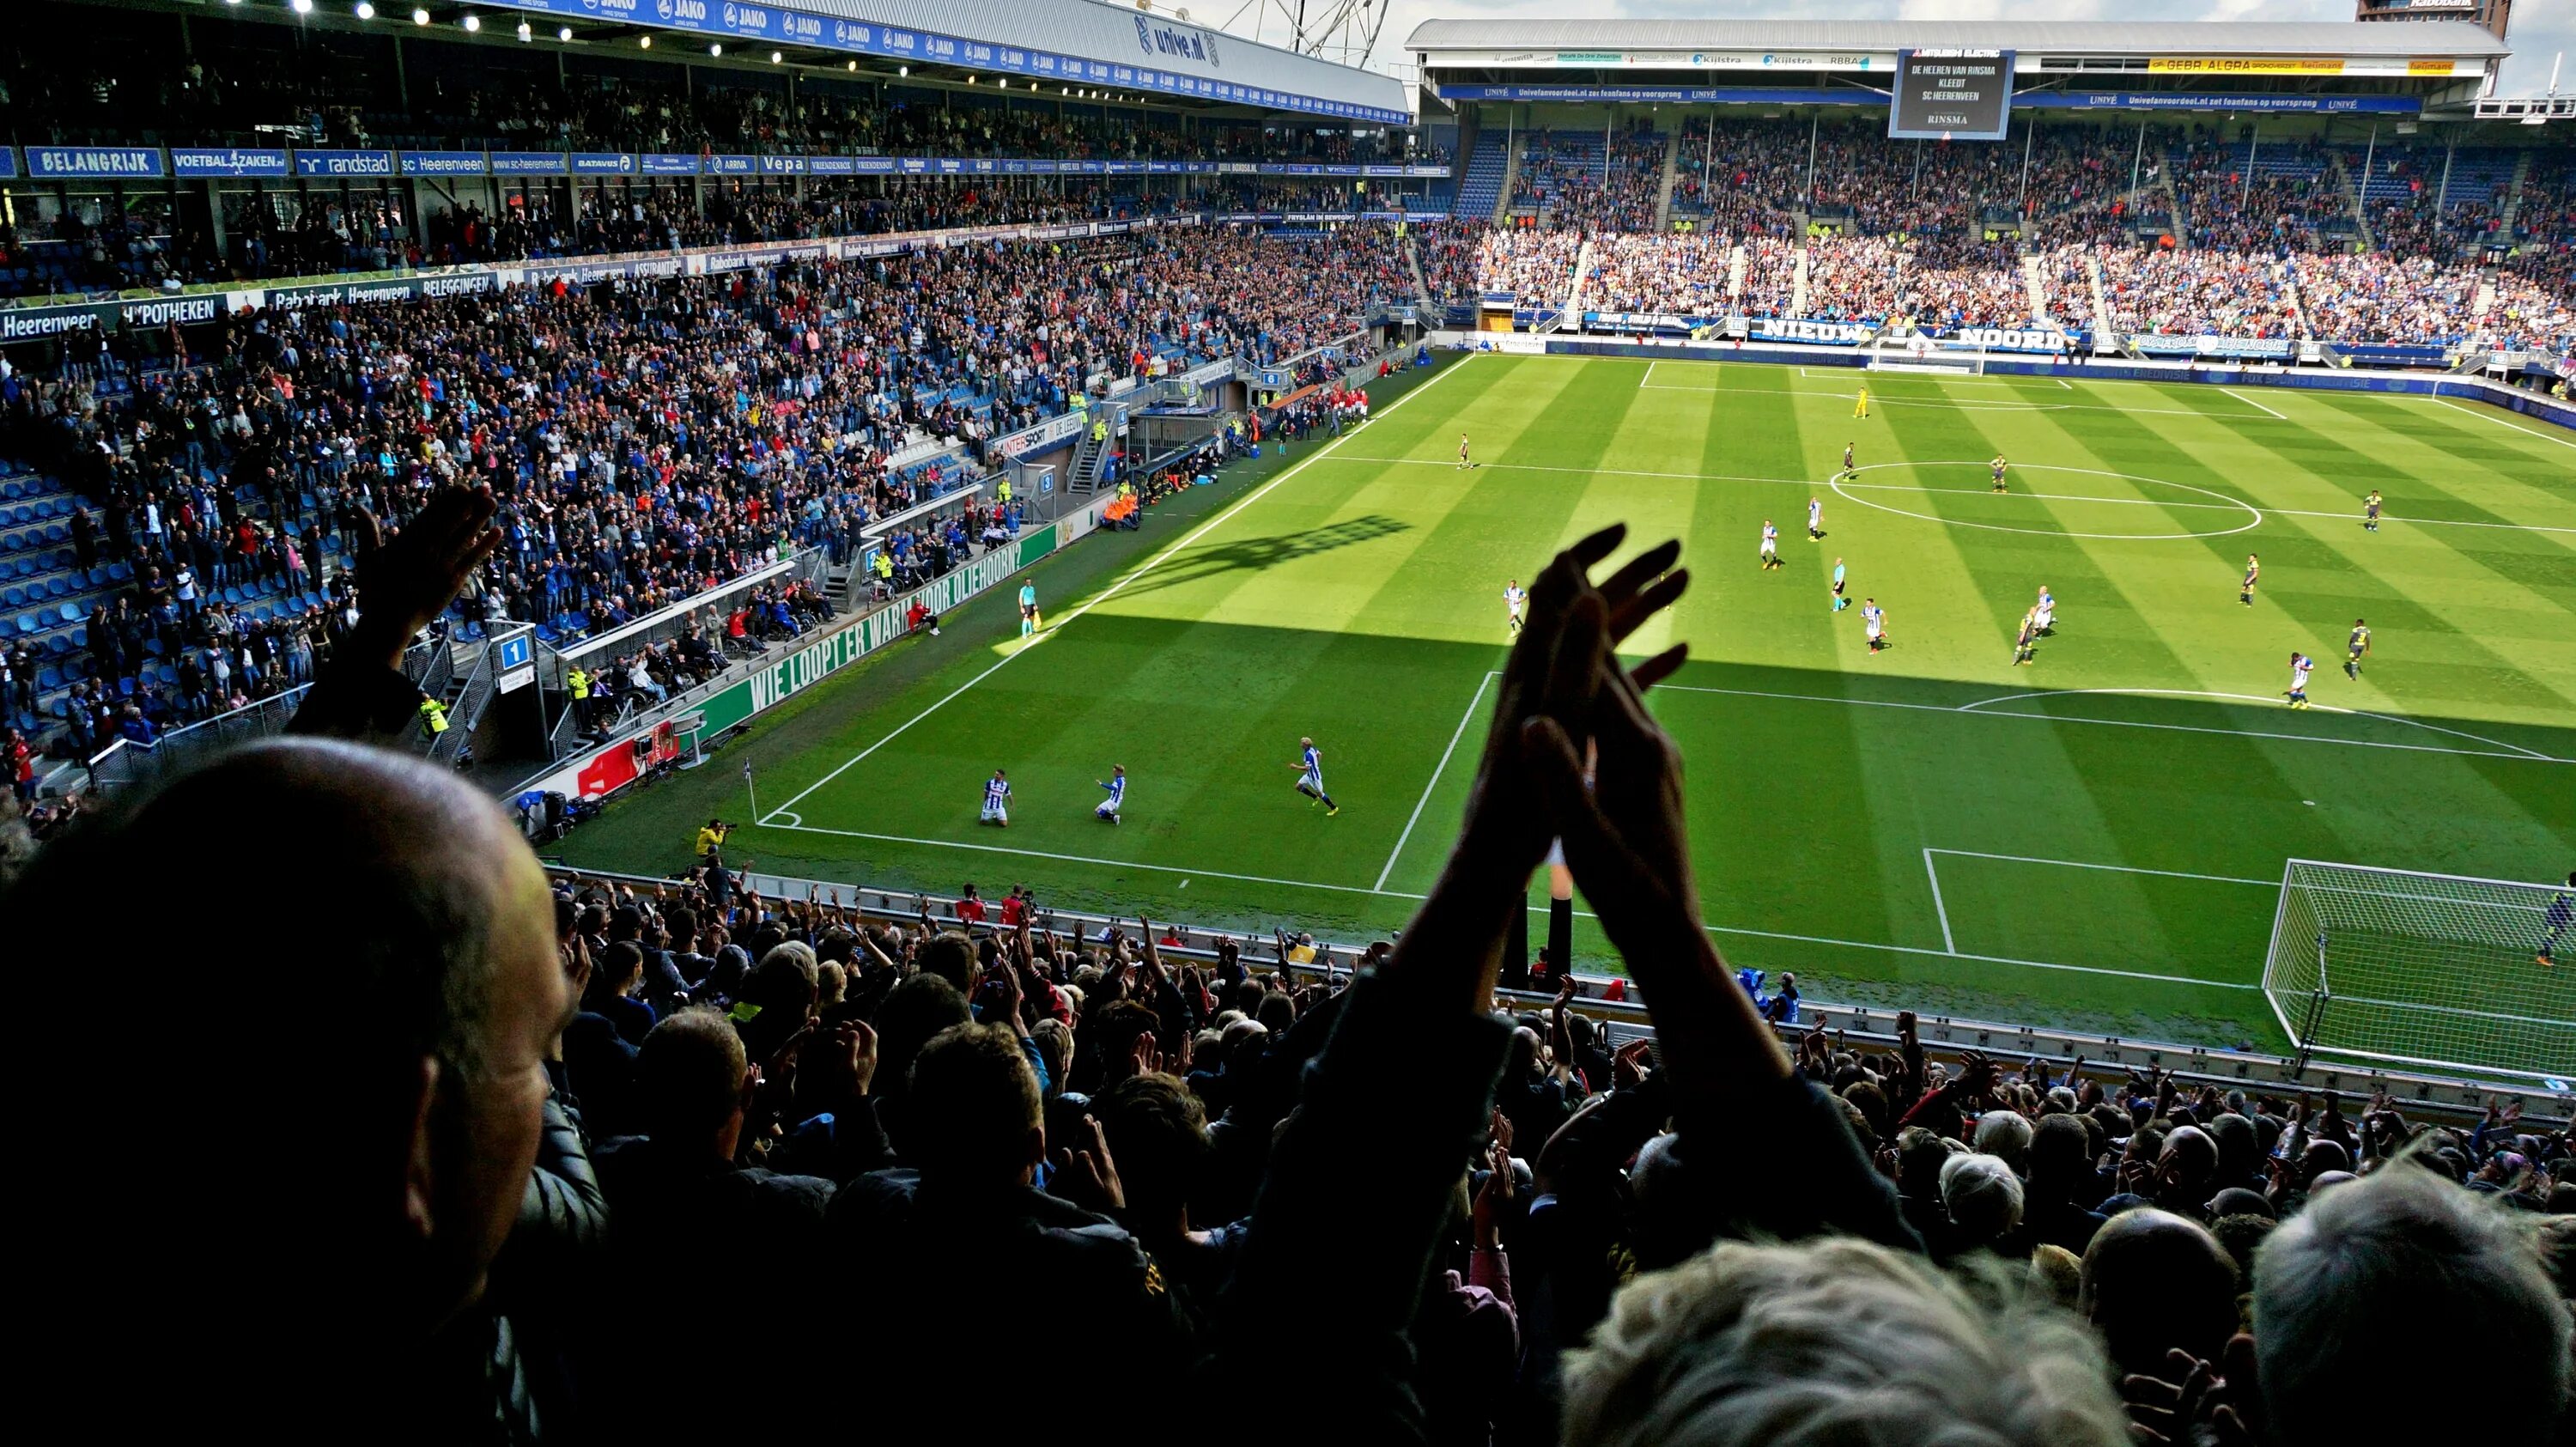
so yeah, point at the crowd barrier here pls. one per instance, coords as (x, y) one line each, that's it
(2452, 1099)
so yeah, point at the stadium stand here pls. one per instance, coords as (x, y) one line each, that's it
(197, 595)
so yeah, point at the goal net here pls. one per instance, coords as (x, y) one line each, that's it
(2424, 969)
(1919, 353)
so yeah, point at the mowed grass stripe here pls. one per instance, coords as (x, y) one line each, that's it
(1367, 610)
(1739, 612)
(2319, 584)
(2085, 781)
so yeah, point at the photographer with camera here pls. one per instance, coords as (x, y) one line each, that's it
(710, 839)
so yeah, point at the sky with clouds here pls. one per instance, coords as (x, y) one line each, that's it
(2539, 26)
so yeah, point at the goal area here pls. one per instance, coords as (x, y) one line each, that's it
(2427, 970)
(1919, 353)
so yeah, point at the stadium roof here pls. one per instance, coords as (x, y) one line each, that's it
(1046, 40)
(2093, 37)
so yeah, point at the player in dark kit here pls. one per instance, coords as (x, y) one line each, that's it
(2353, 648)
(2554, 923)
(2253, 575)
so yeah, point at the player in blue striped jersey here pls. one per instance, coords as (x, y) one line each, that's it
(1116, 784)
(1310, 776)
(997, 800)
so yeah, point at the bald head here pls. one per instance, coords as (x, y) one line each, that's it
(361, 982)
(2154, 1281)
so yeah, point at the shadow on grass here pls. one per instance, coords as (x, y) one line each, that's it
(1254, 555)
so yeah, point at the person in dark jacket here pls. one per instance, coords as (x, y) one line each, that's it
(677, 1192)
(929, 1257)
(399, 1038)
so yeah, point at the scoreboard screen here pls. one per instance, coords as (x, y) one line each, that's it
(1951, 95)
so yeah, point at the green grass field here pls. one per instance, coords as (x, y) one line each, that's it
(2093, 840)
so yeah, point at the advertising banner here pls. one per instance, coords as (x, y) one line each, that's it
(226, 162)
(529, 163)
(344, 163)
(1835, 334)
(94, 163)
(442, 163)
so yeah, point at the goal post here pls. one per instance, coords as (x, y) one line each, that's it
(1919, 353)
(2437, 970)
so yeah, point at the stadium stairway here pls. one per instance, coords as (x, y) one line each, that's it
(1672, 174)
(1798, 286)
(2340, 173)
(2511, 211)
(1083, 478)
(2034, 281)
(1735, 273)
(1421, 288)
(1486, 178)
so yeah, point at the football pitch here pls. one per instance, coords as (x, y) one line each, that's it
(2095, 839)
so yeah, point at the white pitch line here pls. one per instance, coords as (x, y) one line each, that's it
(1933, 872)
(1433, 782)
(1936, 399)
(2112, 868)
(2448, 1010)
(1192, 872)
(1113, 589)
(1825, 940)
(2261, 698)
(2250, 402)
(1975, 712)
(2500, 422)
(1808, 482)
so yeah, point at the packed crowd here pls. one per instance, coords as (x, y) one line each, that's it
(1451, 255)
(605, 691)
(1536, 267)
(2281, 197)
(1966, 284)
(1770, 275)
(648, 439)
(564, 1117)
(2189, 293)
(1680, 275)
(1592, 183)
(2373, 297)
(1742, 179)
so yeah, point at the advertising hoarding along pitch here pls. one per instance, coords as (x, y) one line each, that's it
(1951, 95)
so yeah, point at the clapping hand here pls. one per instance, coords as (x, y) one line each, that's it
(1085, 1174)
(407, 581)
(1493, 1198)
(2167, 1411)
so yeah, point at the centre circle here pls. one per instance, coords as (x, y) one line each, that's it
(2253, 514)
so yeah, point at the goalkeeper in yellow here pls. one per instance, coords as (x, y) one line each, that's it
(1860, 405)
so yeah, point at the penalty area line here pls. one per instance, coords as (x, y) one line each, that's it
(1433, 782)
(1735, 930)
